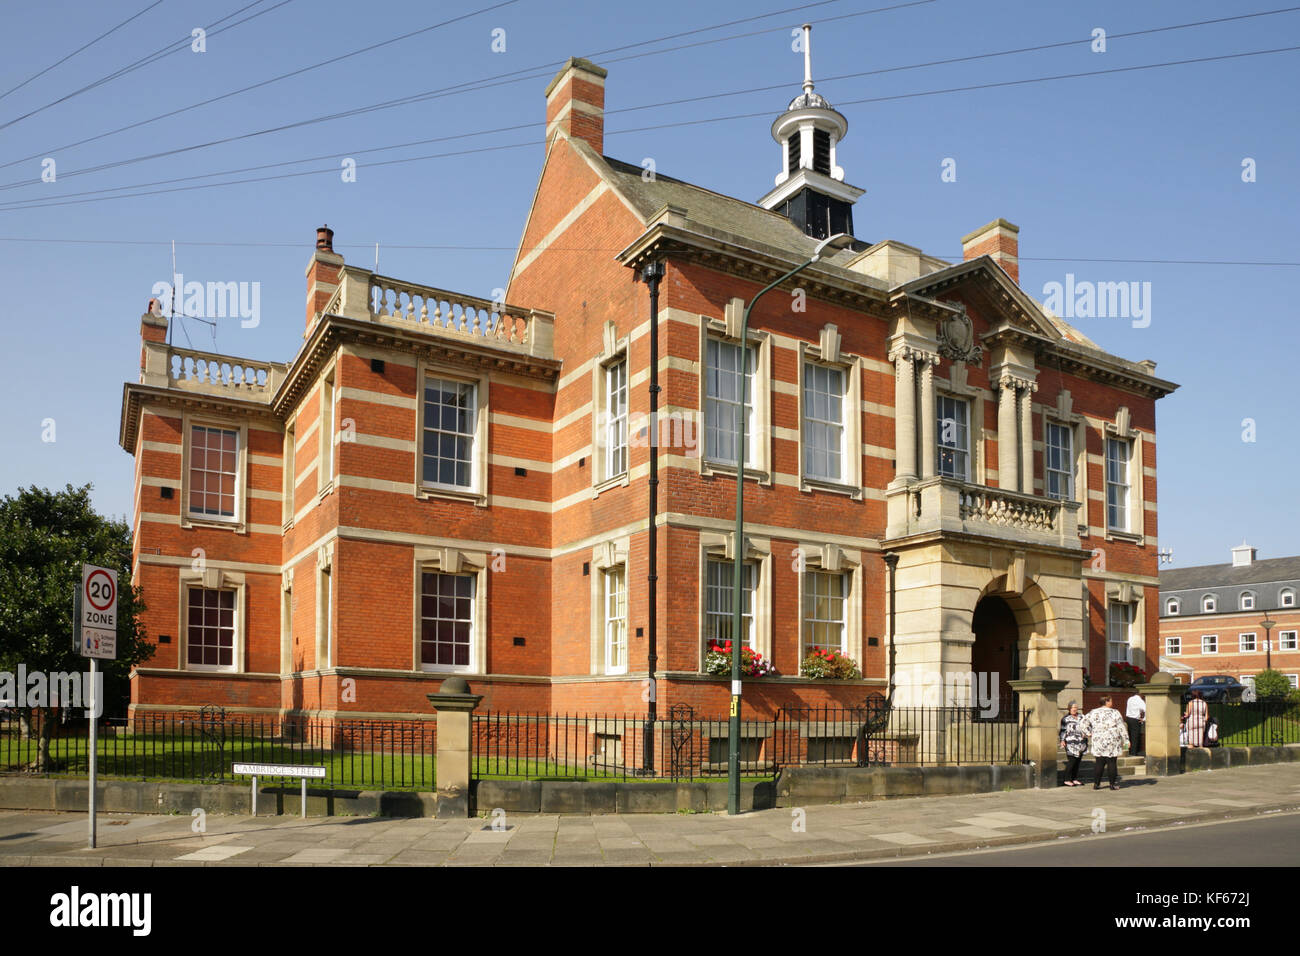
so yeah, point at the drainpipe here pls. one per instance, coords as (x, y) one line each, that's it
(650, 274)
(891, 561)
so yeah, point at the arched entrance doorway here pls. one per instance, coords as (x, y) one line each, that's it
(996, 651)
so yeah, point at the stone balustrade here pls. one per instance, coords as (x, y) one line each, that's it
(945, 504)
(364, 295)
(210, 373)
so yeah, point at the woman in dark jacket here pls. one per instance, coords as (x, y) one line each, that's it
(1074, 742)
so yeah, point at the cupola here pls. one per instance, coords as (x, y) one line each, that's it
(810, 189)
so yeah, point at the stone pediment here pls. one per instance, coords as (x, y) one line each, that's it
(1006, 303)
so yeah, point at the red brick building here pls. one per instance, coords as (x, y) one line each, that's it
(1212, 617)
(439, 484)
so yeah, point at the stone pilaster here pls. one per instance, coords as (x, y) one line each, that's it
(1027, 390)
(904, 415)
(1008, 455)
(929, 443)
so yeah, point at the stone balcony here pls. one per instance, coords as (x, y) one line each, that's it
(465, 319)
(948, 506)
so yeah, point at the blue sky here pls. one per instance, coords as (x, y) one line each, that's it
(1130, 166)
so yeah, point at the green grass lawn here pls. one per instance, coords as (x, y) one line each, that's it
(149, 757)
(1242, 727)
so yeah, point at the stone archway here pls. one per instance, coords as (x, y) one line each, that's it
(995, 655)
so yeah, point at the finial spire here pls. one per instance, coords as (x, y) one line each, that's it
(807, 58)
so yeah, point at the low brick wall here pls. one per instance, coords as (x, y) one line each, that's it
(1222, 758)
(135, 796)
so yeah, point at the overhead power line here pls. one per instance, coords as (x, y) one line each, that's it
(501, 79)
(458, 247)
(165, 51)
(674, 102)
(16, 205)
(80, 49)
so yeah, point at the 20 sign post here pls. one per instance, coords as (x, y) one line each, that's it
(95, 636)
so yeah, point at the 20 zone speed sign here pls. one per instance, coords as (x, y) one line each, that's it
(98, 612)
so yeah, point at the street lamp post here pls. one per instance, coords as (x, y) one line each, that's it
(1268, 624)
(836, 242)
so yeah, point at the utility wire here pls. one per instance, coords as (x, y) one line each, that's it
(165, 51)
(15, 205)
(514, 76)
(454, 247)
(674, 102)
(80, 49)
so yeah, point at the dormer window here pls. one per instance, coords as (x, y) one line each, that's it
(1172, 606)
(1209, 604)
(1286, 597)
(1247, 601)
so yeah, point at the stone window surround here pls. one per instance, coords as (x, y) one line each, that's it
(326, 436)
(613, 349)
(289, 465)
(1128, 592)
(956, 387)
(827, 352)
(758, 551)
(477, 493)
(758, 443)
(1063, 414)
(212, 579)
(1121, 428)
(604, 557)
(239, 523)
(824, 556)
(452, 561)
(286, 620)
(326, 608)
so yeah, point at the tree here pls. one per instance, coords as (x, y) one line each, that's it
(1271, 685)
(45, 537)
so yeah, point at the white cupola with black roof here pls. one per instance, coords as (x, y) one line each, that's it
(810, 190)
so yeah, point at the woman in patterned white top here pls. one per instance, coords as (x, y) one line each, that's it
(1105, 727)
(1075, 743)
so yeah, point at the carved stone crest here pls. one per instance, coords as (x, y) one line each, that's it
(957, 337)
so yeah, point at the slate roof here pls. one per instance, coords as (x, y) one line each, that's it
(1226, 576)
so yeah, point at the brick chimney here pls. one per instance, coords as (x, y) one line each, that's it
(1000, 240)
(153, 328)
(575, 103)
(322, 274)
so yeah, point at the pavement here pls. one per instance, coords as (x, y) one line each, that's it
(910, 827)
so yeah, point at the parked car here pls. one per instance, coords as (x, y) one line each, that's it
(1215, 688)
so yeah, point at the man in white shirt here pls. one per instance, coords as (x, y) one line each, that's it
(1135, 715)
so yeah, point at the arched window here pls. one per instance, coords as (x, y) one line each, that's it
(1286, 598)
(1209, 604)
(1247, 601)
(1172, 606)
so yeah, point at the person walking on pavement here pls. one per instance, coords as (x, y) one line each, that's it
(1195, 719)
(1135, 715)
(1074, 742)
(1105, 727)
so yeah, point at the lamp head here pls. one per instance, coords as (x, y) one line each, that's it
(841, 240)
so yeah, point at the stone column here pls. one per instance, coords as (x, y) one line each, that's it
(1027, 437)
(1164, 700)
(929, 444)
(455, 706)
(904, 415)
(1038, 692)
(1008, 457)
